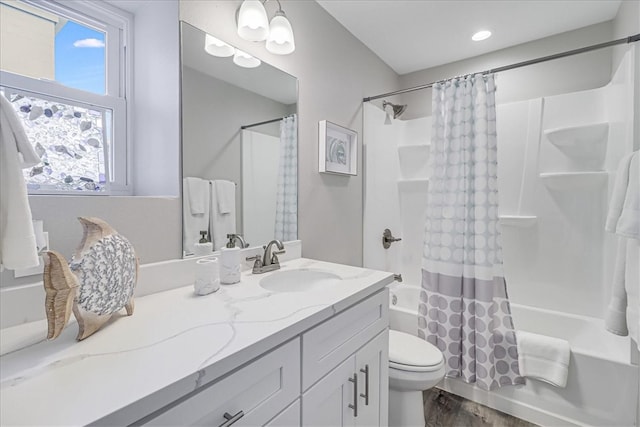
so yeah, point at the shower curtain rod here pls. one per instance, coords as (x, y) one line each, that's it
(624, 40)
(264, 123)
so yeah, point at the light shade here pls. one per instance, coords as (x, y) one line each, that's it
(280, 40)
(243, 59)
(253, 24)
(481, 35)
(217, 47)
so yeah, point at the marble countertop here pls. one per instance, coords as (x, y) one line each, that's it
(174, 343)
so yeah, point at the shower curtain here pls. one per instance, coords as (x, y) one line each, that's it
(286, 227)
(464, 308)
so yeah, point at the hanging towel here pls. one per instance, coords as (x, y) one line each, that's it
(543, 358)
(198, 190)
(221, 224)
(193, 224)
(615, 320)
(632, 286)
(226, 195)
(623, 217)
(18, 247)
(622, 317)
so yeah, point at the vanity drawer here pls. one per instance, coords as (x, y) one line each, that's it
(259, 390)
(328, 344)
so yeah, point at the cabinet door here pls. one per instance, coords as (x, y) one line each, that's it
(372, 364)
(328, 402)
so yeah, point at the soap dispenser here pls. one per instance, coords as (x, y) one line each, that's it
(204, 246)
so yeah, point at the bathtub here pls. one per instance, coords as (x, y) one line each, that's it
(602, 387)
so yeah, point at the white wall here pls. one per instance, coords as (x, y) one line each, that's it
(156, 95)
(335, 72)
(572, 74)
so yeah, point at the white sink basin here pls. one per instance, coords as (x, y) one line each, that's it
(299, 280)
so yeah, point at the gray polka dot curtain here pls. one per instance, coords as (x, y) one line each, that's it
(464, 308)
(286, 226)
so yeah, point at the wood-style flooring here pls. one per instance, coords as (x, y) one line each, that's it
(444, 409)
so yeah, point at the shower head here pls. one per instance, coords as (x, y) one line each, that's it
(397, 109)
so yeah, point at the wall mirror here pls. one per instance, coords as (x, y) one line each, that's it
(239, 145)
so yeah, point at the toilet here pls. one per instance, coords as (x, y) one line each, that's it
(414, 365)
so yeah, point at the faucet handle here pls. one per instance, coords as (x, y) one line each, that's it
(253, 258)
(274, 256)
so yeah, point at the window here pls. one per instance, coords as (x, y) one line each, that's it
(64, 71)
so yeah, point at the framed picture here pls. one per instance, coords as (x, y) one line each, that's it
(338, 149)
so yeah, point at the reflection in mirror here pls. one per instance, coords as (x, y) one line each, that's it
(239, 147)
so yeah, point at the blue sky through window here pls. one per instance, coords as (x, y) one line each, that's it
(80, 58)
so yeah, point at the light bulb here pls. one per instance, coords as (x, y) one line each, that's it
(253, 24)
(280, 40)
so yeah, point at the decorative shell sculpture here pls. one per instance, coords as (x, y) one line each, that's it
(99, 281)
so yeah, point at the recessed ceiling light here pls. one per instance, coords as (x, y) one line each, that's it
(481, 35)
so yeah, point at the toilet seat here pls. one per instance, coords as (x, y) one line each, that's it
(410, 353)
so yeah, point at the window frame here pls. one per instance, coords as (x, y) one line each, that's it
(117, 26)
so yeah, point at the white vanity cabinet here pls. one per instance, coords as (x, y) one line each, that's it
(334, 374)
(348, 356)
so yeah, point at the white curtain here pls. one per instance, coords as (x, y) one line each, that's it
(464, 308)
(286, 227)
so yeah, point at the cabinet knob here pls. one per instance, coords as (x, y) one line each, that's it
(231, 419)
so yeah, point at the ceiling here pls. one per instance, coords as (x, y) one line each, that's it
(264, 80)
(412, 35)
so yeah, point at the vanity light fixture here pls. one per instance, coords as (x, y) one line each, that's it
(243, 59)
(481, 35)
(217, 47)
(254, 26)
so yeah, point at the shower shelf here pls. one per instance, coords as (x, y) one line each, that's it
(420, 184)
(520, 221)
(584, 136)
(574, 180)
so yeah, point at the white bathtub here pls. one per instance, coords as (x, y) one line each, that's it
(602, 388)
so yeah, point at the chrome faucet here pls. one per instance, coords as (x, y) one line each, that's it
(234, 239)
(269, 260)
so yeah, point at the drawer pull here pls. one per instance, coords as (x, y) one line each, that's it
(365, 371)
(231, 419)
(354, 380)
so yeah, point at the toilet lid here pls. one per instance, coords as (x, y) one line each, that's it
(409, 350)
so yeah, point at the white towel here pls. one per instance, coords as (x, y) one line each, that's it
(623, 219)
(198, 190)
(226, 193)
(193, 224)
(632, 286)
(220, 224)
(543, 358)
(615, 320)
(18, 247)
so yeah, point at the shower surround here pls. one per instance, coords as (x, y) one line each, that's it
(557, 159)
